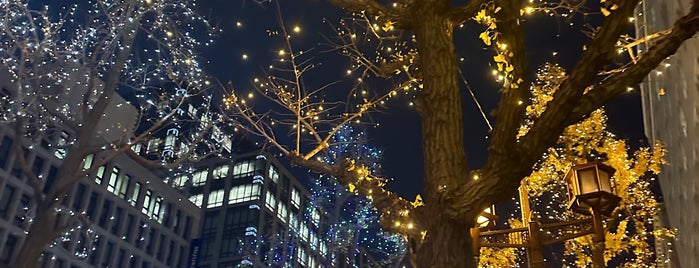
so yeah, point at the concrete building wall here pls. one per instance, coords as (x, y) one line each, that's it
(670, 97)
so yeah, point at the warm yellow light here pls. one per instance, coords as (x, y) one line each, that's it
(297, 29)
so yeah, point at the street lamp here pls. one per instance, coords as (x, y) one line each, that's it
(590, 189)
(589, 192)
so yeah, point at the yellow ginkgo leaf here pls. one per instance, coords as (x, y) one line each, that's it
(351, 187)
(387, 26)
(499, 58)
(509, 68)
(485, 37)
(418, 201)
(605, 12)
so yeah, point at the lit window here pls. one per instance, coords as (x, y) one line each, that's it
(147, 200)
(301, 256)
(122, 186)
(304, 232)
(315, 217)
(295, 197)
(156, 213)
(100, 175)
(293, 222)
(220, 172)
(61, 145)
(282, 212)
(197, 199)
(199, 177)
(244, 193)
(273, 174)
(111, 187)
(215, 199)
(134, 195)
(243, 169)
(270, 201)
(87, 162)
(180, 181)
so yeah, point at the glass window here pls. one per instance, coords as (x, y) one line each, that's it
(111, 187)
(87, 162)
(122, 186)
(197, 199)
(295, 197)
(270, 201)
(180, 181)
(199, 177)
(220, 172)
(244, 193)
(157, 212)
(315, 216)
(273, 174)
(242, 169)
(134, 195)
(282, 212)
(215, 199)
(147, 200)
(100, 175)
(61, 145)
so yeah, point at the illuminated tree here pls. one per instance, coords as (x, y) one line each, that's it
(630, 231)
(412, 43)
(63, 70)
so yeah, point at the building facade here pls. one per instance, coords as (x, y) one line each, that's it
(138, 221)
(670, 99)
(256, 214)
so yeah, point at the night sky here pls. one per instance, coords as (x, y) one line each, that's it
(245, 30)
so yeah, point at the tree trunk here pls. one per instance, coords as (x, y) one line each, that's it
(447, 242)
(41, 233)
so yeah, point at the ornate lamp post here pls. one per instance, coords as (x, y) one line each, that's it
(589, 192)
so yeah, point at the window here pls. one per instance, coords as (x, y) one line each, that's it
(157, 212)
(243, 169)
(104, 214)
(61, 145)
(270, 201)
(197, 199)
(210, 222)
(282, 212)
(122, 186)
(6, 201)
(220, 172)
(199, 177)
(9, 248)
(180, 181)
(100, 175)
(147, 199)
(301, 256)
(315, 217)
(5, 150)
(244, 193)
(273, 174)
(215, 199)
(295, 197)
(116, 220)
(134, 195)
(111, 186)
(87, 162)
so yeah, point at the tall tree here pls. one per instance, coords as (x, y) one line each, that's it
(454, 193)
(63, 65)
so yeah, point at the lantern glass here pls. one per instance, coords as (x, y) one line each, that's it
(605, 182)
(486, 217)
(588, 180)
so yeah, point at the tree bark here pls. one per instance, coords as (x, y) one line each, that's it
(447, 242)
(41, 233)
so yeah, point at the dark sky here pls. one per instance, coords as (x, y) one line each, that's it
(246, 25)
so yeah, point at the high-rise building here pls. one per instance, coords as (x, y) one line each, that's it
(670, 98)
(137, 220)
(256, 214)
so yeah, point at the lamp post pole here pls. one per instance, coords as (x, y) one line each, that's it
(597, 240)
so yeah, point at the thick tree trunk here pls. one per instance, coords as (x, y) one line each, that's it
(41, 233)
(447, 242)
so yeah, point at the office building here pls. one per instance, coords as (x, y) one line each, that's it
(670, 98)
